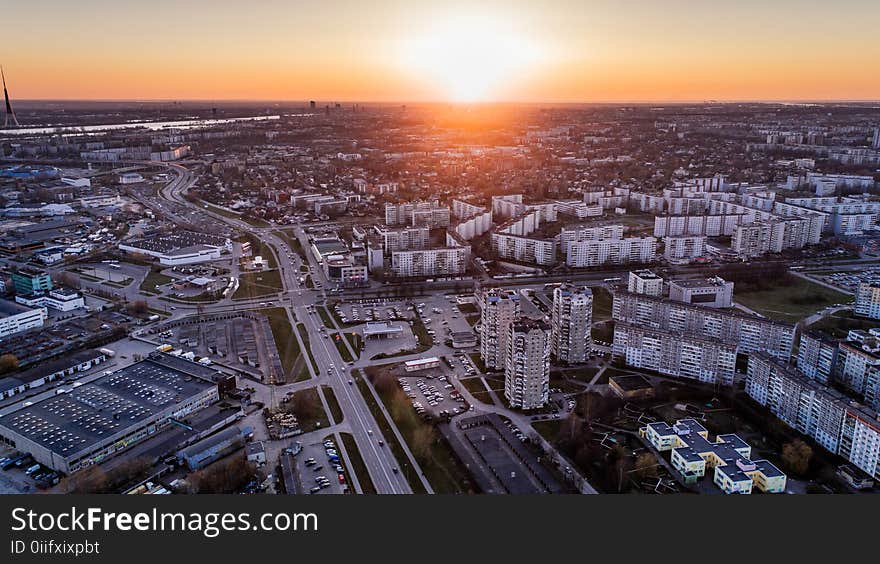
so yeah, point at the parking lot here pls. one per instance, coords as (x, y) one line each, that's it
(321, 459)
(432, 394)
(20, 474)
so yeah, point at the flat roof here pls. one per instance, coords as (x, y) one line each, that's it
(420, 361)
(72, 422)
(8, 308)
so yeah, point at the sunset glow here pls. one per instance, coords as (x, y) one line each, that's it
(341, 50)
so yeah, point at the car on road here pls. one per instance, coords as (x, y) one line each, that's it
(350, 383)
(395, 470)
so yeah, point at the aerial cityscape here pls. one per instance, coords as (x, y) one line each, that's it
(497, 279)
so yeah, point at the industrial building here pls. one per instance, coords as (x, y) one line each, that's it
(180, 247)
(83, 425)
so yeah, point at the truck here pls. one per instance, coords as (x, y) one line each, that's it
(109, 353)
(165, 348)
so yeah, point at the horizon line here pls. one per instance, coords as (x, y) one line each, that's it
(470, 103)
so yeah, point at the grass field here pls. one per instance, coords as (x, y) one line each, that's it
(285, 341)
(390, 438)
(339, 341)
(359, 468)
(477, 389)
(602, 302)
(335, 410)
(839, 324)
(325, 317)
(306, 405)
(303, 373)
(792, 302)
(441, 466)
(154, 279)
(257, 284)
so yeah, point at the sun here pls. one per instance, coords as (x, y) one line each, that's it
(469, 60)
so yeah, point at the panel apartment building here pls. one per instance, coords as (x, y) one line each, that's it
(834, 421)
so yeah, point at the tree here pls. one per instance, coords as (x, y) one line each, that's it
(8, 363)
(797, 455)
(138, 307)
(646, 466)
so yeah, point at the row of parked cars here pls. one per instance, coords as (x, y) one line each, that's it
(334, 462)
(44, 477)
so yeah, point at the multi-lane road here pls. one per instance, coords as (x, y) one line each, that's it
(380, 462)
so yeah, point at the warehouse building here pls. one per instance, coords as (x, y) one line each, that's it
(84, 425)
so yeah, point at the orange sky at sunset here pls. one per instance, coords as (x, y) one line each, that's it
(389, 50)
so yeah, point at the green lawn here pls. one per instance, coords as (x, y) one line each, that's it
(339, 341)
(303, 373)
(155, 278)
(356, 341)
(221, 211)
(838, 325)
(390, 438)
(602, 302)
(293, 243)
(791, 302)
(360, 469)
(335, 410)
(258, 284)
(441, 466)
(285, 340)
(477, 389)
(325, 317)
(306, 405)
(421, 333)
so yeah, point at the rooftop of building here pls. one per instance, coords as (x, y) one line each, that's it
(8, 308)
(71, 422)
(699, 282)
(726, 447)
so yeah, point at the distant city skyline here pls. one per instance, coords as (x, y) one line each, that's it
(561, 51)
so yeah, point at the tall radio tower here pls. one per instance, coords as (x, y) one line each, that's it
(9, 111)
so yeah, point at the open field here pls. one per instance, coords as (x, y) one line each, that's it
(257, 284)
(285, 341)
(792, 302)
(357, 462)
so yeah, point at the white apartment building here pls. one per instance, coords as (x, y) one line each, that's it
(583, 254)
(817, 357)
(748, 333)
(755, 239)
(833, 420)
(571, 322)
(500, 308)
(709, 225)
(524, 249)
(588, 233)
(445, 261)
(854, 361)
(868, 300)
(675, 354)
(527, 364)
(684, 248)
(645, 282)
(405, 239)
